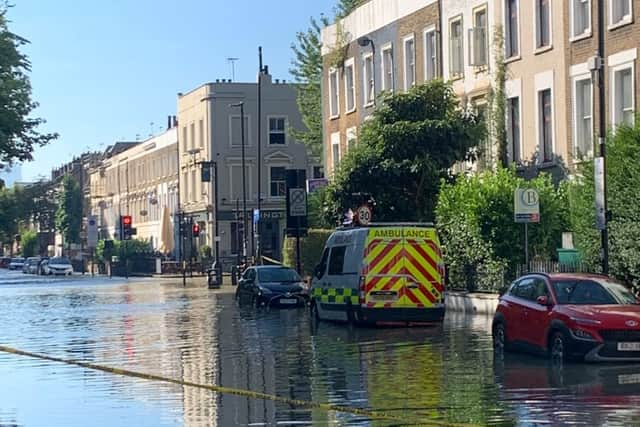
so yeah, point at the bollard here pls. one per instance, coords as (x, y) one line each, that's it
(218, 269)
(234, 275)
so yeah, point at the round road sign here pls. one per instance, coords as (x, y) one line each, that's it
(364, 215)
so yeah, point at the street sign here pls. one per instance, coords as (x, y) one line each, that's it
(364, 215)
(298, 202)
(316, 183)
(526, 205)
(601, 221)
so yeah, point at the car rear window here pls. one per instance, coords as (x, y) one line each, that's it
(278, 275)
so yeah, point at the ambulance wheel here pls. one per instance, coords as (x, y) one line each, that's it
(313, 309)
(351, 318)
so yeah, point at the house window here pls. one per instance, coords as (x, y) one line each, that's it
(237, 131)
(369, 89)
(201, 132)
(580, 17)
(318, 172)
(543, 23)
(351, 138)
(349, 85)
(193, 135)
(546, 125)
(387, 68)
(278, 181)
(334, 108)
(623, 108)
(478, 39)
(511, 40)
(409, 62)
(513, 129)
(277, 131)
(335, 150)
(583, 119)
(619, 11)
(430, 54)
(184, 139)
(456, 48)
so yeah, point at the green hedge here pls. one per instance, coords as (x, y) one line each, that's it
(310, 249)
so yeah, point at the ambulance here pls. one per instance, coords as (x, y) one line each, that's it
(380, 274)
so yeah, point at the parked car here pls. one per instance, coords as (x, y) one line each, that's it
(268, 286)
(58, 265)
(569, 316)
(31, 265)
(5, 261)
(42, 268)
(16, 263)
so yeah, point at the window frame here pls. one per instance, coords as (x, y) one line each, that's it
(387, 48)
(431, 30)
(368, 81)
(284, 130)
(410, 38)
(545, 157)
(510, 132)
(343, 249)
(283, 181)
(509, 52)
(458, 19)
(614, 71)
(625, 20)
(352, 135)
(572, 24)
(335, 141)
(575, 81)
(538, 46)
(247, 131)
(350, 64)
(473, 52)
(334, 105)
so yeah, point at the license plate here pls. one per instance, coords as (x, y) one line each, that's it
(629, 346)
(382, 297)
(288, 301)
(629, 379)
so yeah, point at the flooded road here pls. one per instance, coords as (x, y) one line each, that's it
(445, 374)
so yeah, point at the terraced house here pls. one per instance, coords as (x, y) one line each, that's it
(547, 49)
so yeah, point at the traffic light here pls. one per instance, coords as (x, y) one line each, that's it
(125, 224)
(205, 173)
(195, 229)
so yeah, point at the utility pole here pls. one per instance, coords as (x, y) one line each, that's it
(602, 132)
(244, 184)
(260, 73)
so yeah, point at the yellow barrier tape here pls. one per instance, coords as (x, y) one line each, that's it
(271, 260)
(373, 415)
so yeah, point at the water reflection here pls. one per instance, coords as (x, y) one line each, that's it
(445, 373)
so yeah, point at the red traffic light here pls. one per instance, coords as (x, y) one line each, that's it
(126, 220)
(196, 230)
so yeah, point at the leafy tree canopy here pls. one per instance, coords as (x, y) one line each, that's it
(18, 134)
(404, 151)
(69, 213)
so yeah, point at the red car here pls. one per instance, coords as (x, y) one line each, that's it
(569, 316)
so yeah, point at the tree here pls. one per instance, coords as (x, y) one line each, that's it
(69, 213)
(29, 242)
(307, 71)
(623, 187)
(405, 150)
(18, 135)
(345, 7)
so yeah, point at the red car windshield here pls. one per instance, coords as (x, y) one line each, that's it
(591, 292)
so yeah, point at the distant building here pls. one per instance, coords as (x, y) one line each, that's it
(210, 129)
(137, 179)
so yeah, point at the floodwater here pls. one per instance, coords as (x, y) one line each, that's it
(440, 375)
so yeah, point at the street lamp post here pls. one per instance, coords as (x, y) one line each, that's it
(244, 184)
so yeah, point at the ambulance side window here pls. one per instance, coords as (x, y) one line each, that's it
(322, 267)
(336, 260)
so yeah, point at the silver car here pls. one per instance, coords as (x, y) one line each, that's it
(58, 265)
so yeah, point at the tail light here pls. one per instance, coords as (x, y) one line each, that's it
(361, 294)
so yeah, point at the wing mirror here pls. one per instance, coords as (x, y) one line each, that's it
(543, 300)
(318, 271)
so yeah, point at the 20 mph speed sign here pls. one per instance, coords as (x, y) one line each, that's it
(364, 215)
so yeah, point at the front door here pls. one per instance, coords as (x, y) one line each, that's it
(384, 277)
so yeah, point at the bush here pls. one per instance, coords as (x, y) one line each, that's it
(481, 241)
(623, 188)
(29, 240)
(310, 250)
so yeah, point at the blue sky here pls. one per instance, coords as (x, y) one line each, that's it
(105, 70)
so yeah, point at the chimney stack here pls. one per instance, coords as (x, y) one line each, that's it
(168, 122)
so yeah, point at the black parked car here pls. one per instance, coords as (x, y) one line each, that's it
(268, 286)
